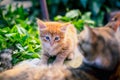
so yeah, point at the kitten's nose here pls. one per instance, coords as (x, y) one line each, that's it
(51, 43)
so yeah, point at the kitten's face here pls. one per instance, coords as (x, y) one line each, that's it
(52, 34)
(51, 37)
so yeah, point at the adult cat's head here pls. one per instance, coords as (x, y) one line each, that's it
(99, 47)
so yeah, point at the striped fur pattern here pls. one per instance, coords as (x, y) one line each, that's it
(58, 39)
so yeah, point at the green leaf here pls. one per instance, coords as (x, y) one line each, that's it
(21, 30)
(2, 39)
(62, 18)
(35, 55)
(89, 22)
(59, 17)
(86, 16)
(19, 46)
(73, 14)
(10, 34)
(79, 24)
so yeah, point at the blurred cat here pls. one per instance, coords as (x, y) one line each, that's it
(116, 74)
(44, 72)
(114, 24)
(57, 39)
(5, 59)
(100, 50)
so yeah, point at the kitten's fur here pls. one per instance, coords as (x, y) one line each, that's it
(65, 45)
(100, 49)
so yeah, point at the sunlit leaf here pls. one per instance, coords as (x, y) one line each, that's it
(21, 30)
(10, 34)
(73, 14)
(19, 46)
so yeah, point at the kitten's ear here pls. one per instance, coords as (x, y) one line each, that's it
(65, 26)
(41, 24)
(90, 34)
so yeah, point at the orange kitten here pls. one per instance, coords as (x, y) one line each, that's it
(57, 39)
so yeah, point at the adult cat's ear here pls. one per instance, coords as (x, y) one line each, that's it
(89, 34)
(41, 24)
(65, 26)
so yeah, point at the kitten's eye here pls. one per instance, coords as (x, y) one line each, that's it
(57, 38)
(47, 38)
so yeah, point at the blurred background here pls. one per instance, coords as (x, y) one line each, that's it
(99, 9)
(19, 31)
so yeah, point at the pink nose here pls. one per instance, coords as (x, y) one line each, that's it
(51, 43)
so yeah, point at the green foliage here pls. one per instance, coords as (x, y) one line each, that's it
(98, 8)
(19, 32)
(78, 19)
(18, 29)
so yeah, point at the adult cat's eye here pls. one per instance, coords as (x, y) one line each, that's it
(57, 38)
